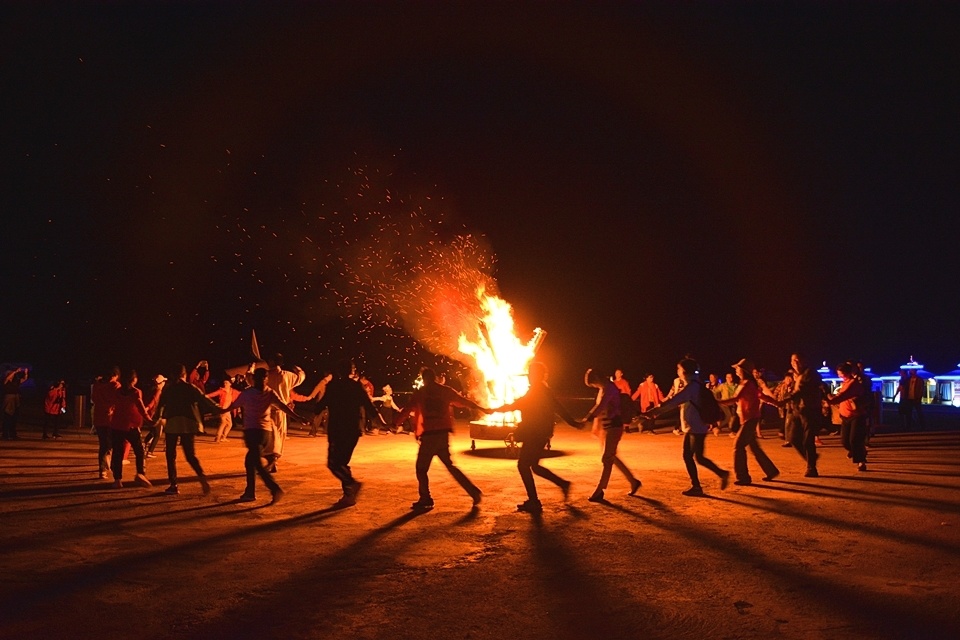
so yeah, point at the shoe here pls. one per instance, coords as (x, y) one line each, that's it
(530, 506)
(117, 485)
(634, 487)
(724, 480)
(276, 495)
(596, 497)
(862, 466)
(172, 490)
(477, 496)
(565, 487)
(142, 480)
(818, 442)
(743, 483)
(677, 432)
(786, 444)
(771, 476)
(103, 475)
(150, 455)
(204, 486)
(247, 497)
(693, 492)
(811, 473)
(354, 490)
(346, 500)
(422, 505)
(57, 436)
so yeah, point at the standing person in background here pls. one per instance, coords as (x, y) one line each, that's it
(916, 390)
(282, 382)
(628, 410)
(538, 408)
(433, 403)
(54, 406)
(853, 417)
(693, 427)
(257, 403)
(345, 399)
(125, 422)
(180, 405)
(319, 422)
(367, 420)
(224, 397)
(11, 401)
(608, 428)
(103, 394)
(725, 391)
(156, 427)
(747, 400)
(388, 408)
(649, 397)
(200, 376)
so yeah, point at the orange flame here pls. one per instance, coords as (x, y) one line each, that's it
(500, 359)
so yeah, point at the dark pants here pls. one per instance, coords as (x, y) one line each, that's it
(611, 439)
(747, 439)
(693, 455)
(529, 464)
(907, 408)
(437, 443)
(256, 440)
(802, 429)
(106, 446)
(9, 426)
(153, 436)
(189, 452)
(117, 440)
(51, 421)
(340, 448)
(853, 435)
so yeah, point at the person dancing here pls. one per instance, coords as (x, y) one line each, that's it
(608, 427)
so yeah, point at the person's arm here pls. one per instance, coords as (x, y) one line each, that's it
(595, 408)
(372, 410)
(565, 415)
(410, 408)
(852, 390)
(455, 398)
(277, 402)
(736, 395)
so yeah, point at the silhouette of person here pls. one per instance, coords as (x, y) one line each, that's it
(608, 428)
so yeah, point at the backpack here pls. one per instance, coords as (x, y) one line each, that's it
(707, 406)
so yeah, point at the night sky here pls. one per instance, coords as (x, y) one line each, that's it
(642, 180)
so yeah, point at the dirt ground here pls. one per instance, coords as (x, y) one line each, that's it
(846, 555)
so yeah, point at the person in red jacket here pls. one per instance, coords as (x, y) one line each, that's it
(433, 404)
(128, 416)
(853, 419)
(54, 406)
(103, 393)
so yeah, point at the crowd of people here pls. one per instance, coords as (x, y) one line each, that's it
(344, 407)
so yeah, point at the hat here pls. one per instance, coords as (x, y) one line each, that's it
(745, 364)
(159, 379)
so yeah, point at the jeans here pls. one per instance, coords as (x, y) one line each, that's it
(437, 443)
(117, 441)
(853, 435)
(693, 455)
(802, 428)
(611, 439)
(340, 448)
(255, 440)
(529, 464)
(189, 452)
(747, 438)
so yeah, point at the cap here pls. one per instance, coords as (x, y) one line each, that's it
(160, 379)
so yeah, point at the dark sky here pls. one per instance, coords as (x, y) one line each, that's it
(724, 179)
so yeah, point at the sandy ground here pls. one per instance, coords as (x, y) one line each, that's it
(846, 555)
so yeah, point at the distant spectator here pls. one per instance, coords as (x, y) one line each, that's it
(200, 376)
(11, 401)
(54, 406)
(224, 397)
(128, 416)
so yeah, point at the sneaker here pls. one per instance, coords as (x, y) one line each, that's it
(677, 432)
(862, 466)
(117, 485)
(818, 442)
(247, 497)
(693, 492)
(204, 486)
(530, 506)
(477, 496)
(770, 477)
(743, 483)
(786, 444)
(142, 480)
(276, 495)
(125, 461)
(172, 490)
(634, 487)
(346, 500)
(596, 497)
(103, 475)
(565, 487)
(150, 455)
(422, 505)
(724, 480)
(811, 473)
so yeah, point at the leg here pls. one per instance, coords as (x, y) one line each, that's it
(846, 432)
(171, 453)
(106, 447)
(698, 442)
(133, 437)
(810, 425)
(339, 451)
(529, 457)
(116, 460)
(458, 475)
(746, 437)
(858, 440)
(688, 461)
(428, 449)
(188, 442)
